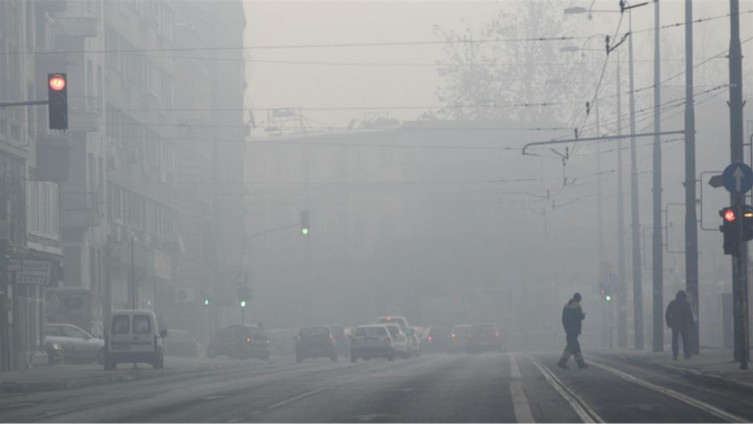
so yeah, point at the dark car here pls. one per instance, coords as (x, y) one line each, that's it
(315, 342)
(484, 337)
(240, 342)
(436, 339)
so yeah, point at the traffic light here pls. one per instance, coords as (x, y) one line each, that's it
(206, 301)
(243, 303)
(305, 222)
(608, 297)
(730, 231)
(57, 96)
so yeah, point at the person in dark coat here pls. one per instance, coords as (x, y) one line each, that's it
(572, 319)
(679, 318)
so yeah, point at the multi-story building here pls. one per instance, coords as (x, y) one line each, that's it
(104, 196)
(30, 248)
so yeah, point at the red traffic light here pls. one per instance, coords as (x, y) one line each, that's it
(729, 215)
(57, 82)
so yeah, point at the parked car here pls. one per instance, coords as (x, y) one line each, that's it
(459, 338)
(315, 342)
(399, 341)
(134, 336)
(373, 341)
(436, 339)
(484, 337)
(76, 345)
(240, 342)
(394, 319)
(182, 343)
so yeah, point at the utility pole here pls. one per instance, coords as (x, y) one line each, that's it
(691, 222)
(740, 283)
(634, 211)
(658, 253)
(622, 293)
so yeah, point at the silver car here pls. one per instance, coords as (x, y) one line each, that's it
(78, 345)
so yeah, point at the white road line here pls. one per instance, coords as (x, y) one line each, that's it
(580, 407)
(724, 415)
(295, 398)
(520, 405)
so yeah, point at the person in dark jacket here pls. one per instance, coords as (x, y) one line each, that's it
(572, 319)
(679, 318)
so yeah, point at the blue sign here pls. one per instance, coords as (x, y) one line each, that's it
(738, 178)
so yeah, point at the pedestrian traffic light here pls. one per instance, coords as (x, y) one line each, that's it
(57, 96)
(305, 222)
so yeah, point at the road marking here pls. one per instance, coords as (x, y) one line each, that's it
(580, 407)
(724, 415)
(520, 405)
(295, 398)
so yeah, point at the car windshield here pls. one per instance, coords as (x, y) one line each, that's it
(141, 324)
(121, 324)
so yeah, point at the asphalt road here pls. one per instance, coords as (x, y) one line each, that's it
(433, 388)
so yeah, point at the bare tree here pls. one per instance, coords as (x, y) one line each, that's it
(513, 70)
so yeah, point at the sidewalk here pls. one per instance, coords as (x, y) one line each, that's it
(43, 377)
(712, 365)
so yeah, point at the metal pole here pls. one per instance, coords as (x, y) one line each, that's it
(133, 280)
(658, 253)
(738, 202)
(691, 221)
(622, 295)
(634, 211)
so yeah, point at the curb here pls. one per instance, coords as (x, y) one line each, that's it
(691, 374)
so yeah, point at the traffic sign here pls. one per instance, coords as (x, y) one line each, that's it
(738, 178)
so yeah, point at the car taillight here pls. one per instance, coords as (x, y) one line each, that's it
(331, 337)
(249, 340)
(453, 336)
(429, 339)
(266, 341)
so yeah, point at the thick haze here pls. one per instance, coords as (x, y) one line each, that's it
(407, 230)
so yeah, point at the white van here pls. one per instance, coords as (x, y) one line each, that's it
(133, 337)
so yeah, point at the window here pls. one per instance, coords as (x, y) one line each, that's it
(120, 324)
(73, 304)
(141, 324)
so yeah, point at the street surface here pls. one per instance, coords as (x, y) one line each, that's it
(432, 388)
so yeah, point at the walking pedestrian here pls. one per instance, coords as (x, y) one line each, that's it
(679, 318)
(572, 319)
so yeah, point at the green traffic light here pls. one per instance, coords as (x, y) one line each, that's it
(243, 303)
(304, 231)
(608, 298)
(206, 302)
